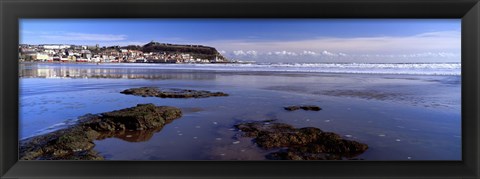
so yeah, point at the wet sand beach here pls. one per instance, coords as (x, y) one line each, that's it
(399, 116)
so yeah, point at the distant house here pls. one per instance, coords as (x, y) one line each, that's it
(56, 46)
(134, 53)
(140, 60)
(56, 58)
(51, 52)
(96, 59)
(64, 59)
(42, 57)
(86, 54)
(70, 53)
(81, 60)
(72, 58)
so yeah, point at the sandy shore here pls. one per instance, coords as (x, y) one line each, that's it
(415, 117)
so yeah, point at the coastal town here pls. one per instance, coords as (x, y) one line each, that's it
(153, 52)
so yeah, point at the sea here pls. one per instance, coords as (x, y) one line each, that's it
(403, 111)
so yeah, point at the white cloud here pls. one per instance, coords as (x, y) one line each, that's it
(122, 43)
(84, 36)
(239, 52)
(452, 34)
(327, 53)
(322, 53)
(252, 52)
(446, 41)
(244, 53)
(282, 53)
(415, 55)
(307, 52)
(438, 54)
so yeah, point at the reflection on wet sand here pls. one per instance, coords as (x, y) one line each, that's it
(37, 71)
(130, 135)
(365, 94)
(367, 108)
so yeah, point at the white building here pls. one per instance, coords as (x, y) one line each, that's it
(42, 56)
(56, 46)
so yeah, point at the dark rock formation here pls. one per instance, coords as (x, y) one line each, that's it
(76, 142)
(305, 107)
(307, 143)
(170, 93)
(143, 116)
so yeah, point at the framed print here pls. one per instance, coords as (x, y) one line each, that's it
(240, 89)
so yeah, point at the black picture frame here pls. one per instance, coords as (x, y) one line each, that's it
(12, 10)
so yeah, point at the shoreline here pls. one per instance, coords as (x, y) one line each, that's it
(439, 69)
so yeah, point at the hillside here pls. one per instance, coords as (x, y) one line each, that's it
(197, 51)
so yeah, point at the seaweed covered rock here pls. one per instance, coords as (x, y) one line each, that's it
(60, 144)
(76, 141)
(307, 143)
(304, 107)
(141, 117)
(171, 93)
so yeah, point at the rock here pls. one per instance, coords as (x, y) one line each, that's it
(171, 93)
(307, 143)
(58, 144)
(295, 155)
(292, 108)
(305, 107)
(76, 141)
(141, 117)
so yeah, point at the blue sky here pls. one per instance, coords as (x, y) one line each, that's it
(268, 40)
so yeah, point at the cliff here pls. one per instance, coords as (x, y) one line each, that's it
(197, 51)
